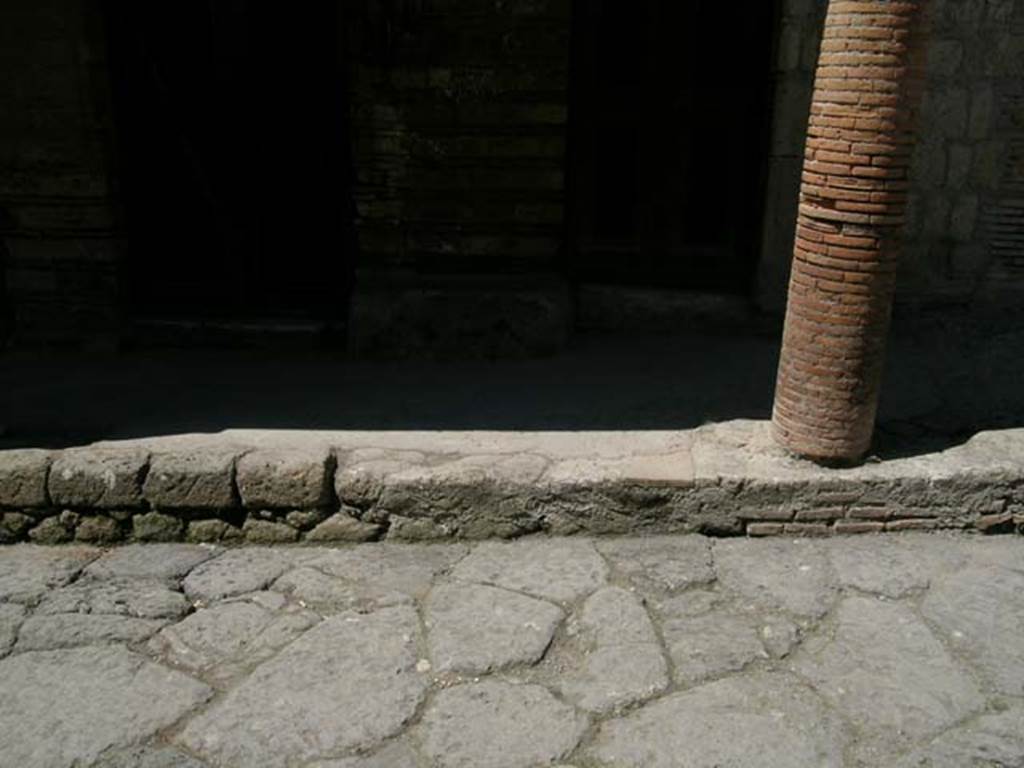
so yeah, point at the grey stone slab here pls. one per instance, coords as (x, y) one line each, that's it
(396, 755)
(661, 562)
(67, 630)
(27, 571)
(287, 478)
(768, 721)
(793, 575)
(882, 566)
(201, 477)
(616, 676)
(497, 725)
(331, 594)
(148, 757)
(236, 572)
(221, 642)
(63, 709)
(473, 629)
(154, 561)
(103, 478)
(994, 739)
(11, 617)
(23, 477)
(406, 568)
(141, 598)
(614, 616)
(347, 684)
(711, 645)
(620, 659)
(889, 676)
(980, 610)
(563, 570)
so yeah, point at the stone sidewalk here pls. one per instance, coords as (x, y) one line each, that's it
(669, 651)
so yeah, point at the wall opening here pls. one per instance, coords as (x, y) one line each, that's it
(233, 158)
(670, 106)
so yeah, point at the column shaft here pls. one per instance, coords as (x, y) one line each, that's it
(852, 201)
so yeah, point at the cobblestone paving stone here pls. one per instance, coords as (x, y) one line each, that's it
(896, 650)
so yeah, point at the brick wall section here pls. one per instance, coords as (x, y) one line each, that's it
(56, 216)
(851, 215)
(459, 111)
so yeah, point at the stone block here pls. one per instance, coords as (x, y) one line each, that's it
(203, 478)
(285, 479)
(52, 530)
(23, 477)
(343, 527)
(154, 526)
(13, 526)
(98, 529)
(98, 477)
(267, 532)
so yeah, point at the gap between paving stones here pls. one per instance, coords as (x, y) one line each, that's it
(723, 479)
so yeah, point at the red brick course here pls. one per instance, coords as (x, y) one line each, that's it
(852, 204)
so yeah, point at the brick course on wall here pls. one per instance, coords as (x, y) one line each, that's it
(459, 112)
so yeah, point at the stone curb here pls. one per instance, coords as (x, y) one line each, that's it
(265, 487)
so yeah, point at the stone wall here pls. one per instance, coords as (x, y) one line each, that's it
(56, 217)
(963, 230)
(459, 111)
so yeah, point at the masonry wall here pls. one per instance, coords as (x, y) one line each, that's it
(964, 235)
(56, 217)
(459, 112)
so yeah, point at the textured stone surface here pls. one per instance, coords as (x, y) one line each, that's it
(994, 739)
(343, 527)
(557, 569)
(226, 639)
(98, 477)
(27, 572)
(980, 610)
(268, 532)
(347, 683)
(711, 645)
(23, 477)
(396, 755)
(794, 576)
(14, 526)
(67, 630)
(11, 616)
(64, 708)
(151, 561)
(498, 725)
(285, 479)
(141, 598)
(157, 526)
(97, 529)
(236, 572)
(661, 562)
(769, 721)
(473, 628)
(149, 757)
(192, 478)
(886, 566)
(331, 594)
(406, 568)
(53, 530)
(890, 676)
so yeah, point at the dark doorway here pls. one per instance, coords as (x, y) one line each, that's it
(233, 157)
(670, 117)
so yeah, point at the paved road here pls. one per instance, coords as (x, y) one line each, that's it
(902, 651)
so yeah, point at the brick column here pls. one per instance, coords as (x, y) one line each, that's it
(852, 201)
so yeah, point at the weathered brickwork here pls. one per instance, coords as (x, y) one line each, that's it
(853, 197)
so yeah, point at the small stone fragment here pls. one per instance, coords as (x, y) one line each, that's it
(343, 527)
(52, 530)
(266, 532)
(154, 526)
(305, 519)
(96, 529)
(14, 526)
(498, 725)
(212, 531)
